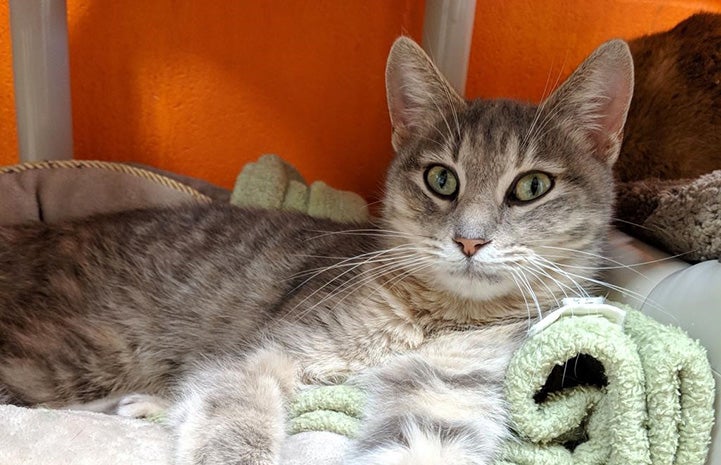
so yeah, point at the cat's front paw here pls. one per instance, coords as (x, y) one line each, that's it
(222, 441)
(232, 411)
(141, 406)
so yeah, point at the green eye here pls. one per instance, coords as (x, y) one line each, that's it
(442, 181)
(531, 186)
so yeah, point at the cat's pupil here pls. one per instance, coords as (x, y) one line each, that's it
(442, 178)
(534, 185)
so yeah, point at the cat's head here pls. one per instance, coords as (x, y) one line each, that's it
(492, 198)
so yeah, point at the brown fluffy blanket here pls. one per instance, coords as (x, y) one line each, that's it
(681, 216)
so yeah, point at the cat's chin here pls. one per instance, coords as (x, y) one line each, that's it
(472, 286)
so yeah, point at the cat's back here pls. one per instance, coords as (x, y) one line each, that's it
(161, 274)
(193, 250)
(126, 302)
(672, 126)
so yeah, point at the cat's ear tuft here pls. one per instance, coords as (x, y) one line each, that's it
(418, 95)
(594, 100)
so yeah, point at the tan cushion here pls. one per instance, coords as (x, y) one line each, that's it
(59, 190)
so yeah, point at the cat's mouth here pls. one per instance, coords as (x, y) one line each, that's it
(474, 280)
(473, 266)
(476, 271)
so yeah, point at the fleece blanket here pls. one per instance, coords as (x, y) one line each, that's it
(681, 216)
(63, 437)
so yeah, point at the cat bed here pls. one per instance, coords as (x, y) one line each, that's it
(680, 216)
(51, 191)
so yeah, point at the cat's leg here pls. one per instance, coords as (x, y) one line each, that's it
(6, 396)
(142, 406)
(234, 412)
(133, 405)
(441, 406)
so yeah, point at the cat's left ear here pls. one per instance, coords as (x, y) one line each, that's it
(593, 102)
(418, 94)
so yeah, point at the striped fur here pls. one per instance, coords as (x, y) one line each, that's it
(225, 312)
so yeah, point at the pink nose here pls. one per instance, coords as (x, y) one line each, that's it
(470, 246)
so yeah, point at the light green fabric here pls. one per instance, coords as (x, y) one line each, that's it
(332, 408)
(271, 182)
(656, 409)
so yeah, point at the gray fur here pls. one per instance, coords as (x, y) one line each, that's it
(228, 311)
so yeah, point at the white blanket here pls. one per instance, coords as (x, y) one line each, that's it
(62, 437)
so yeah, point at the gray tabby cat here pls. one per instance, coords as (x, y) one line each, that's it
(492, 208)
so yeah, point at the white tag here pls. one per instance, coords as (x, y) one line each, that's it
(581, 306)
(582, 301)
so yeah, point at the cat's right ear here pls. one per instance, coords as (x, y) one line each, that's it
(418, 94)
(594, 100)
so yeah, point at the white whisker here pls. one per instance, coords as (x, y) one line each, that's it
(590, 254)
(538, 278)
(547, 264)
(375, 257)
(643, 300)
(336, 278)
(631, 223)
(376, 232)
(351, 261)
(354, 283)
(539, 109)
(443, 115)
(524, 284)
(523, 294)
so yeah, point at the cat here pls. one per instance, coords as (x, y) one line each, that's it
(492, 209)
(672, 129)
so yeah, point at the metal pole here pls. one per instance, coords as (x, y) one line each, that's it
(39, 32)
(447, 31)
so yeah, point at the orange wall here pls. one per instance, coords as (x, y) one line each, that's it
(201, 87)
(8, 136)
(521, 45)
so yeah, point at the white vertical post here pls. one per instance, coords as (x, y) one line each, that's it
(39, 32)
(447, 31)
